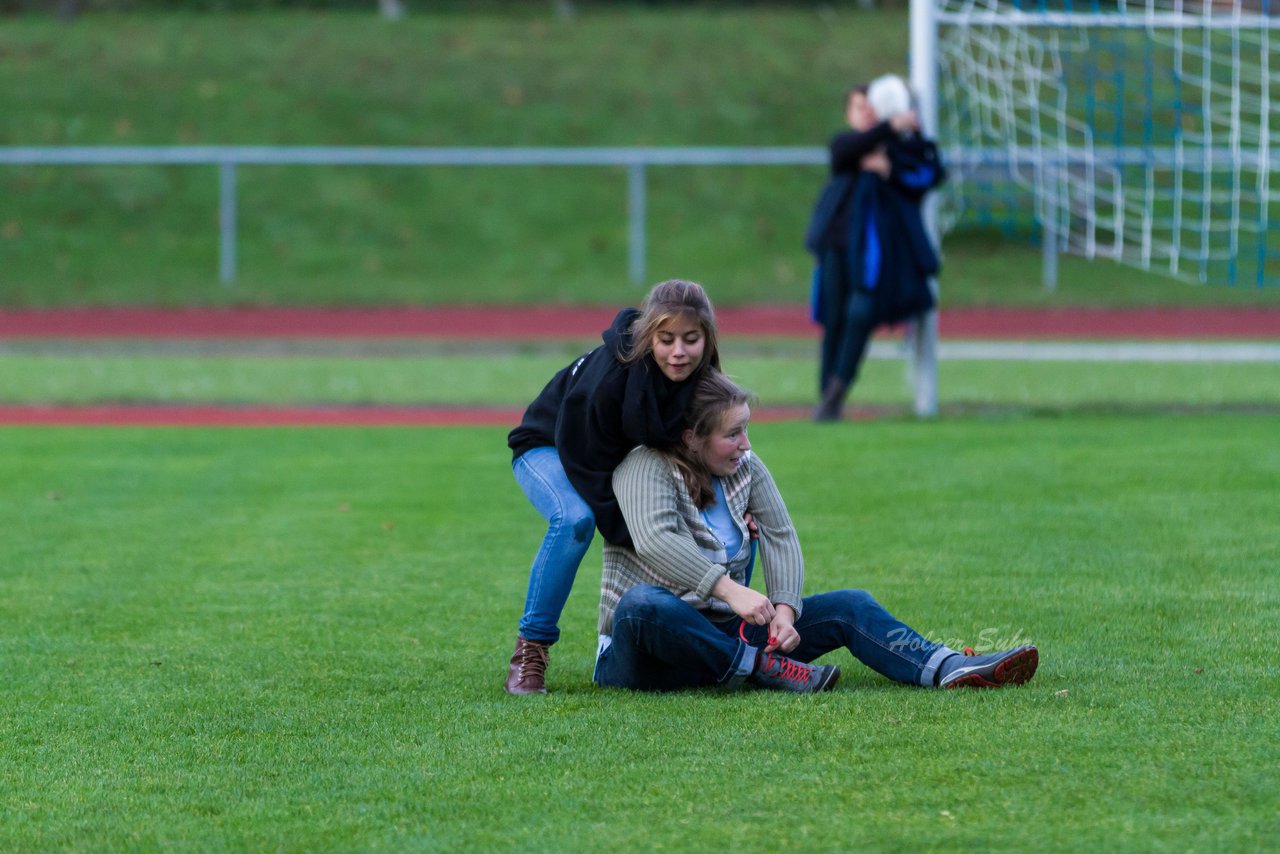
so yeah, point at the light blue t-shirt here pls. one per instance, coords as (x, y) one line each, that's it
(721, 522)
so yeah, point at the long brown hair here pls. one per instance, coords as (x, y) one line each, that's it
(674, 298)
(714, 395)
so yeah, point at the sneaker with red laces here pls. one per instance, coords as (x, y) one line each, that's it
(787, 674)
(528, 671)
(1011, 667)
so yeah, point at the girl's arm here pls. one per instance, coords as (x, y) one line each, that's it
(779, 544)
(848, 148)
(590, 443)
(647, 494)
(745, 602)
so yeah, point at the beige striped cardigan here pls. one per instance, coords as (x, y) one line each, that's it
(675, 549)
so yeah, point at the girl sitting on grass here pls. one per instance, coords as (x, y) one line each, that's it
(676, 610)
(631, 390)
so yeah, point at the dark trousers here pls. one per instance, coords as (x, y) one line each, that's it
(848, 320)
(662, 643)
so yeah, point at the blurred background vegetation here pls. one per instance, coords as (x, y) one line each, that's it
(251, 72)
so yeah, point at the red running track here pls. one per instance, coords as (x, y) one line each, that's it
(542, 322)
(549, 322)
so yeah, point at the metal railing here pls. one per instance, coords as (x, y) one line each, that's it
(229, 157)
(636, 160)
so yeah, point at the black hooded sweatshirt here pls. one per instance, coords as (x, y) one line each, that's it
(596, 410)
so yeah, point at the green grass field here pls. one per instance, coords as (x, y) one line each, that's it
(615, 75)
(295, 640)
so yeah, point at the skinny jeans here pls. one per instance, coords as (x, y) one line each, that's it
(570, 527)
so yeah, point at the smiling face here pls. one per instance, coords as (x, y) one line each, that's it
(722, 451)
(678, 346)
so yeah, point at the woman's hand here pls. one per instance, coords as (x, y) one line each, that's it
(782, 631)
(753, 530)
(877, 162)
(754, 608)
(906, 121)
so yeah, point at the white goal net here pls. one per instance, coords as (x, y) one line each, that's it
(1141, 132)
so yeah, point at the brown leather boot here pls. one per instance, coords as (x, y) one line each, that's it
(528, 672)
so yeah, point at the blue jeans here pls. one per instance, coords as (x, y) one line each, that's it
(662, 643)
(570, 526)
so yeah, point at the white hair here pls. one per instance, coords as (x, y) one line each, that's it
(889, 95)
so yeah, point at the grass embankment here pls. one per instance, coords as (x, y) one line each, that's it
(339, 235)
(296, 639)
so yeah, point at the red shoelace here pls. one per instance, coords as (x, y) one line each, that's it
(786, 668)
(742, 633)
(779, 665)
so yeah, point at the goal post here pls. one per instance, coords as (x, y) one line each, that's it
(1134, 131)
(922, 332)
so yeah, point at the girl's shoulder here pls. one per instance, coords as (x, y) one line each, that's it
(644, 465)
(642, 458)
(598, 376)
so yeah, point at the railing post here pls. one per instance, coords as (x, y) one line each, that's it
(227, 221)
(1049, 254)
(635, 222)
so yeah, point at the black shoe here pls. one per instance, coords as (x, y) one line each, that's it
(786, 674)
(826, 412)
(832, 406)
(1011, 667)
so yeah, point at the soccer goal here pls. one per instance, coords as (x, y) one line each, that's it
(1138, 132)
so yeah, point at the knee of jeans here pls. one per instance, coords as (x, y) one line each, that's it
(643, 600)
(584, 527)
(856, 600)
(579, 521)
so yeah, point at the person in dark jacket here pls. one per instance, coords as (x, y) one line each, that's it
(631, 390)
(874, 256)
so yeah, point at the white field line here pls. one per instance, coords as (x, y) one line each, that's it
(1077, 351)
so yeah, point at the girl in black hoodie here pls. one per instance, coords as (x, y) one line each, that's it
(631, 390)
